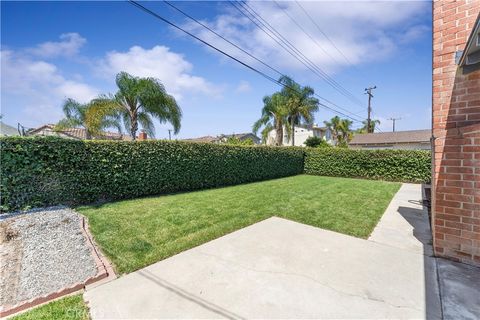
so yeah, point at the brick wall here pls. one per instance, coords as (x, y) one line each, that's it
(456, 132)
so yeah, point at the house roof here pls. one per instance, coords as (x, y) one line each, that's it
(6, 130)
(202, 139)
(471, 55)
(413, 136)
(80, 133)
(240, 135)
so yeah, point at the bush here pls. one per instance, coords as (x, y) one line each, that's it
(40, 171)
(316, 142)
(393, 165)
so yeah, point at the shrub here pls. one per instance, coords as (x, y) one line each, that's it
(393, 165)
(316, 142)
(41, 171)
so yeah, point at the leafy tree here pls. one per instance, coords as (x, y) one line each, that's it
(76, 116)
(316, 142)
(274, 117)
(341, 130)
(137, 101)
(300, 103)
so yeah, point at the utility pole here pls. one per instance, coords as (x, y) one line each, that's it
(370, 96)
(169, 134)
(393, 120)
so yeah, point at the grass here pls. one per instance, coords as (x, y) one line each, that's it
(71, 307)
(136, 233)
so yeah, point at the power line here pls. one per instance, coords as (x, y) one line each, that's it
(222, 37)
(323, 74)
(141, 7)
(297, 54)
(249, 54)
(321, 31)
(304, 31)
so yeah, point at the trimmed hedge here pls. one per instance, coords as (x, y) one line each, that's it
(40, 171)
(392, 165)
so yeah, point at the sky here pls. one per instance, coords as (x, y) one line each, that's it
(51, 51)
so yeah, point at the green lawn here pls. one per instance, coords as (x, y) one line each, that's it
(136, 233)
(71, 307)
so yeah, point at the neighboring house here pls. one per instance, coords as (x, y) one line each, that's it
(224, 137)
(456, 130)
(74, 133)
(409, 140)
(240, 136)
(205, 139)
(302, 133)
(8, 131)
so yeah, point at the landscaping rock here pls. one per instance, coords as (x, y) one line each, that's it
(42, 252)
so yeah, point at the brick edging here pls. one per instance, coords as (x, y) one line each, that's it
(104, 270)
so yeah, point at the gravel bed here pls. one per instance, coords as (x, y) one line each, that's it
(42, 251)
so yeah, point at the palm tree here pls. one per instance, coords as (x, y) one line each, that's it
(334, 126)
(346, 132)
(373, 124)
(300, 103)
(137, 101)
(341, 130)
(274, 117)
(76, 116)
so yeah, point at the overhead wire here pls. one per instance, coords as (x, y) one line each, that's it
(156, 15)
(249, 54)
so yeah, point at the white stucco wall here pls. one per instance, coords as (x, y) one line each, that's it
(301, 135)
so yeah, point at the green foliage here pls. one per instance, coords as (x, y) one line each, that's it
(70, 307)
(136, 233)
(138, 101)
(316, 142)
(39, 171)
(236, 141)
(392, 165)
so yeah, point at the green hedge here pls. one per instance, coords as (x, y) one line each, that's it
(393, 165)
(42, 171)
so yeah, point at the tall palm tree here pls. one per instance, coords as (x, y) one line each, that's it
(300, 103)
(274, 117)
(137, 101)
(76, 116)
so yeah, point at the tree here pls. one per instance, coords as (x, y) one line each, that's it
(316, 142)
(236, 141)
(300, 103)
(346, 133)
(274, 117)
(373, 124)
(341, 130)
(137, 101)
(76, 116)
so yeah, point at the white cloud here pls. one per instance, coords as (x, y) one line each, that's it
(243, 86)
(159, 62)
(38, 88)
(363, 31)
(69, 45)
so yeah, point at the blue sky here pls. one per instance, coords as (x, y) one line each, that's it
(55, 50)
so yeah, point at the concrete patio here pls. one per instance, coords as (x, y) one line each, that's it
(282, 269)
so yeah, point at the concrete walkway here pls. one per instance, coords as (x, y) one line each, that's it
(282, 269)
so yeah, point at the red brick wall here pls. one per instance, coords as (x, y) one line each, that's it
(456, 132)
